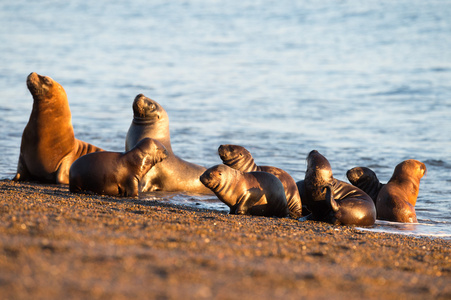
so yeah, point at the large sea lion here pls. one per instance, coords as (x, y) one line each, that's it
(48, 146)
(396, 200)
(332, 200)
(115, 173)
(253, 193)
(366, 180)
(239, 158)
(173, 174)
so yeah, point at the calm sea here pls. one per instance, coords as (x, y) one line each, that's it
(366, 83)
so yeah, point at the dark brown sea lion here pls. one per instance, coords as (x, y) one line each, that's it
(239, 158)
(252, 193)
(396, 200)
(115, 173)
(173, 174)
(333, 200)
(49, 146)
(366, 180)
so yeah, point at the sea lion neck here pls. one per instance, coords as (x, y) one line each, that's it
(144, 121)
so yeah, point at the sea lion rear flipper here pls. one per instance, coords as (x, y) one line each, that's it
(82, 148)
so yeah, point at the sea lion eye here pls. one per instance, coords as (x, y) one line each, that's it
(47, 81)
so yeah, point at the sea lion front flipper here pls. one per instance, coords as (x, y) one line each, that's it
(330, 197)
(131, 188)
(247, 200)
(62, 173)
(22, 171)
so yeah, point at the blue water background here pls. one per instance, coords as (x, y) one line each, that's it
(366, 83)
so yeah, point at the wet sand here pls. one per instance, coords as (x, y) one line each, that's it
(59, 245)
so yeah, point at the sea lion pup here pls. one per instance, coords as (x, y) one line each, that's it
(396, 200)
(173, 174)
(239, 158)
(332, 200)
(115, 173)
(48, 146)
(252, 193)
(366, 180)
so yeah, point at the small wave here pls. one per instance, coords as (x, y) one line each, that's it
(439, 70)
(425, 228)
(403, 90)
(198, 201)
(437, 163)
(136, 86)
(441, 235)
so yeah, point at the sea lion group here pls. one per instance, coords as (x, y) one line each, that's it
(49, 152)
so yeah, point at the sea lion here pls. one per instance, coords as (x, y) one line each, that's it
(252, 193)
(115, 173)
(48, 146)
(239, 158)
(173, 174)
(332, 200)
(366, 180)
(396, 200)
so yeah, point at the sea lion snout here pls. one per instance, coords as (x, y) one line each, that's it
(222, 151)
(144, 108)
(205, 178)
(40, 85)
(212, 176)
(226, 152)
(32, 81)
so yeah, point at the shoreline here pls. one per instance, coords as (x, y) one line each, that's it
(56, 244)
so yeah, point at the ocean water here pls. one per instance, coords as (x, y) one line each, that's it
(365, 83)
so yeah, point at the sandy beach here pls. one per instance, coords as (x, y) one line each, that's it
(59, 245)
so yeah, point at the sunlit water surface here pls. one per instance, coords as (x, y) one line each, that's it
(366, 84)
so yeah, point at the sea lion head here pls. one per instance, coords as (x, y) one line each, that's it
(147, 153)
(359, 175)
(318, 174)
(215, 177)
(43, 87)
(319, 166)
(410, 168)
(146, 110)
(233, 154)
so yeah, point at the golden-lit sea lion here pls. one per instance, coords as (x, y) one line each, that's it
(115, 173)
(333, 200)
(396, 200)
(252, 193)
(239, 158)
(173, 174)
(48, 146)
